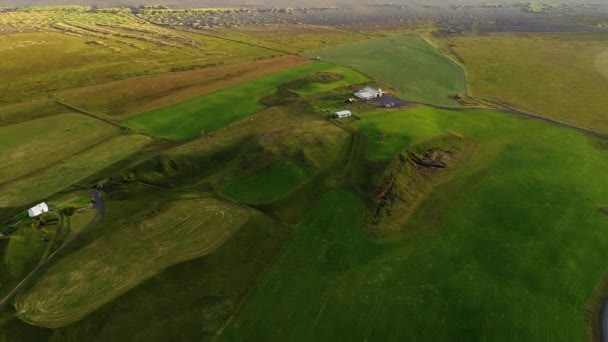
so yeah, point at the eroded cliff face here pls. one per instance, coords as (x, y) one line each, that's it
(412, 176)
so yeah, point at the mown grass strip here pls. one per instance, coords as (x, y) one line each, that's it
(96, 274)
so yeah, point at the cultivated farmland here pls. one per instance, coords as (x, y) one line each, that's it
(61, 175)
(180, 231)
(499, 252)
(209, 112)
(37, 144)
(125, 98)
(560, 76)
(415, 69)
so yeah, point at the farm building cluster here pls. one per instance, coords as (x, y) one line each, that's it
(366, 94)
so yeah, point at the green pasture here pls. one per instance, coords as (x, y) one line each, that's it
(510, 249)
(414, 68)
(269, 184)
(209, 112)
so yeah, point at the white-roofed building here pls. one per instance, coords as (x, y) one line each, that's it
(38, 209)
(343, 114)
(369, 93)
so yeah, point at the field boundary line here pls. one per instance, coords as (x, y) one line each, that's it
(85, 112)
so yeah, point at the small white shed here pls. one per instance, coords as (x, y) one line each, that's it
(343, 114)
(38, 209)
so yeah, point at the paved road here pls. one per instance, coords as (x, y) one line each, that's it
(41, 267)
(604, 321)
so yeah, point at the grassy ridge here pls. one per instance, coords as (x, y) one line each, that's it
(561, 76)
(511, 248)
(33, 145)
(415, 69)
(209, 112)
(59, 176)
(91, 277)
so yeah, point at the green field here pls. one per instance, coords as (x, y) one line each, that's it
(73, 169)
(510, 249)
(269, 184)
(415, 69)
(209, 112)
(115, 263)
(560, 76)
(34, 145)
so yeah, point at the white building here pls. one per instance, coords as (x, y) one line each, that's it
(342, 114)
(369, 93)
(38, 209)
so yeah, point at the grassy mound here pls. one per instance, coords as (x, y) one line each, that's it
(410, 178)
(94, 275)
(269, 184)
(33, 145)
(415, 69)
(209, 112)
(59, 176)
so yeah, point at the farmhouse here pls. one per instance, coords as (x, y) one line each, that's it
(369, 93)
(38, 209)
(342, 114)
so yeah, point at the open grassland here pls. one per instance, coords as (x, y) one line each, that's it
(510, 249)
(560, 76)
(68, 171)
(209, 112)
(24, 111)
(34, 145)
(269, 184)
(94, 275)
(296, 38)
(67, 49)
(415, 69)
(124, 98)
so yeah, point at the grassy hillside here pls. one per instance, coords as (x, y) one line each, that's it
(511, 248)
(175, 233)
(59, 176)
(269, 184)
(209, 112)
(560, 76)
(34, 145)
(414, 68)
